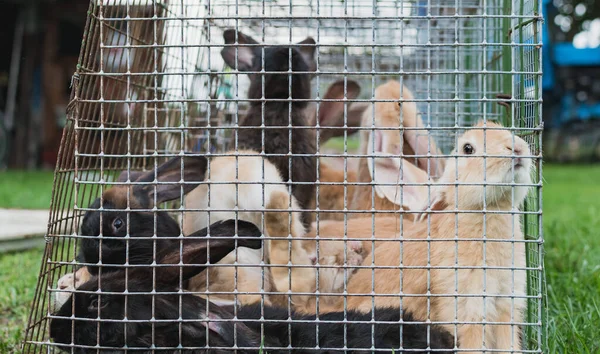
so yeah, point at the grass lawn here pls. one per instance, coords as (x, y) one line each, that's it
(571, 224)
(571, 221)
(25, 189)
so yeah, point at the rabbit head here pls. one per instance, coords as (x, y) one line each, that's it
(272, 59)
(116, 309)
(486, 154)
(389, 114)
(113, 222)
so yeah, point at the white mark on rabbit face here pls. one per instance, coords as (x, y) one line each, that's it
(490, 163)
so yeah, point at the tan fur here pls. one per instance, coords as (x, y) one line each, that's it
(223, 279)
(118, 196)
(363, 196)
(284, 255)
(388, 114)
(450, 284)
(250, 196)
(341, 255)
(332, 196)
(394, 142)
(69, 282)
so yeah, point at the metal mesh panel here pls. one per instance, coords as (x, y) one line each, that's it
(356, 241)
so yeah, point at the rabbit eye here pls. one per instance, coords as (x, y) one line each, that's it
(468, 149)
(117, 223)
(94, 303)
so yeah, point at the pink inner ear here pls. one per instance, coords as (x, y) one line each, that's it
(213, 326)
(378, 141)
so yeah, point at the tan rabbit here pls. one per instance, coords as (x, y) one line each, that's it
(337, 258)
(488, 247)
(391, 171)
(333, 195)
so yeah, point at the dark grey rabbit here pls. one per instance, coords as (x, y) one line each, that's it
(113, 249)
(275, 114)
(89, 321)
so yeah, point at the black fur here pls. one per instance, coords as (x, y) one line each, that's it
(249, 339)
(303, 169)
(113, 247)
(111, 332)
(139, 303)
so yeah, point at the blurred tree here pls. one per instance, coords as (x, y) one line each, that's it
(572, 17)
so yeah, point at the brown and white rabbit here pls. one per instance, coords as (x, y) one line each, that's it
(246, 196)
(487, 246)
(387, 146)
(145, 312)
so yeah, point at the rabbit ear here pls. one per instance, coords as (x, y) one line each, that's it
(133, 176)
(245, 55)
(194, 170)
(331, 114)
(308, 52)
(420, 141)
(391, 172)
(194, 251)
(437, 202)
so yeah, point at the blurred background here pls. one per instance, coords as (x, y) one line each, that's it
(41, 41)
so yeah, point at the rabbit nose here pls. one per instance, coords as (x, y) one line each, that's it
(517, 150)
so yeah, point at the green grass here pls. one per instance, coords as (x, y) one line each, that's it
(571, 223)
(18, 276)
(25, 189)
(571, 220)
(337, 144)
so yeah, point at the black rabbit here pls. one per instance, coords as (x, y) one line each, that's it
(113, 248)
(277, 115)
(153, 314)
(139, 302)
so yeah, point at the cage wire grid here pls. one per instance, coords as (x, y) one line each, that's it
(151, 84)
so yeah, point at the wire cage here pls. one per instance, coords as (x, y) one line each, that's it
(161, 85)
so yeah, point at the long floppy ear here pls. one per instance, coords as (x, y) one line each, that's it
(194, 170)
(195, 250)
(437, 202)
(308, 50)
(133, 176)
(331, 114)
(420, 140)
(391, 173)
(245, 55)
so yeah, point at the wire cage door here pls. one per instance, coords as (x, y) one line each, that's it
(365, 114)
